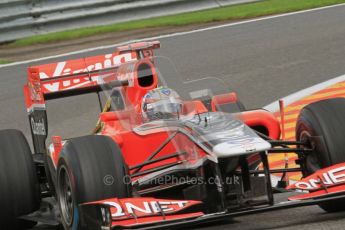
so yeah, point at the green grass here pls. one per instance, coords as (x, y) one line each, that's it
(244, 11)
(2, 62)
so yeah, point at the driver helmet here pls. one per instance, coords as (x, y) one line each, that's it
(161, 103)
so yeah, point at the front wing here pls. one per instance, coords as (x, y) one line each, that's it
(97, 216)
(150, 213)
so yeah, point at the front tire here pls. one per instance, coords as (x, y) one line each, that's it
(322, 125)
(90, 168)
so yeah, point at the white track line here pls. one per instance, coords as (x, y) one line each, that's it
(173, 35)
(274, 106)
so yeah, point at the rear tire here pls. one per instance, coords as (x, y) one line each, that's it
(90, 168)
(20, 191)
(322, 125)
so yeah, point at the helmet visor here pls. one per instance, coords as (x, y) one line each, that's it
(165, 109)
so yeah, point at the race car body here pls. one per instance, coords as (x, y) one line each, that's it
(167, 150)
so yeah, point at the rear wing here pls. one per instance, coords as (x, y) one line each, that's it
(74, 77)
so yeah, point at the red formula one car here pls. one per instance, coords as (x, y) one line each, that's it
(161, 156)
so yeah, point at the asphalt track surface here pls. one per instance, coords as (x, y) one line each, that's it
(263, 61)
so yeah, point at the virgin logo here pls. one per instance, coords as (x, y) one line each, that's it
(79, 66)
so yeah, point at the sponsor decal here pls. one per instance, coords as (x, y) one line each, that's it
(80, 66)
(140, 207)
(38, 127)
(324, 178)
(146, 207)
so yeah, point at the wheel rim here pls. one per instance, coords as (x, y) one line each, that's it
(66, 200)
(312, 161)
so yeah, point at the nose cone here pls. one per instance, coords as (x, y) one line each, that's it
(239, 147)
